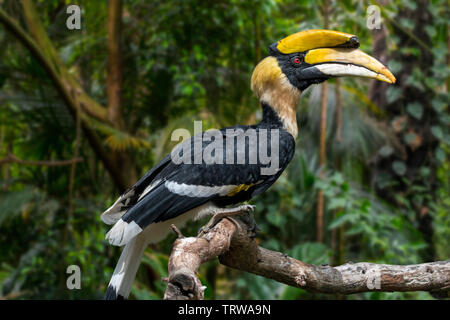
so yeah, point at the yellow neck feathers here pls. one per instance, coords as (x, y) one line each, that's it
(272, 86)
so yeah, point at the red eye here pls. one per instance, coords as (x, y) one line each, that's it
(297, 60)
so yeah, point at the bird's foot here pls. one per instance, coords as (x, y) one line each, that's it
(242, 210)
(252, 227)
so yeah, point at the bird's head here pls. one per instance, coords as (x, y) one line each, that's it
(313, 56)
(310, 57)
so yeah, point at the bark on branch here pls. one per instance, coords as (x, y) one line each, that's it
(231, 242)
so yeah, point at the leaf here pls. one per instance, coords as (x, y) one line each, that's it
(444, 119)
(437, 132)
(395, 66)
(337, 203)
(120, 140)
(354, 230)
(440, 154)
(386, 151)
(392, 94)
(338, 178)
(11, 203)
(415, 109)
(310, 252)
(399, 167)
(425, 171)
(411, 5)
(431, 30)
(417, 245)
(438, 105)
(413, 140)
(399, 123)
(291, 293)
(156, 262)
(272, 244)
(384, 180)
(275, 218)
(407, 23)
(340, 220)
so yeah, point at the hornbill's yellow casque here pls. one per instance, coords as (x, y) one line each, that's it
(175, 192)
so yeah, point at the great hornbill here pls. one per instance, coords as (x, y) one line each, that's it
(174, 192)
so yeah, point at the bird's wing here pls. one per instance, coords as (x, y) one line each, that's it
(178, 188)
(130, 197)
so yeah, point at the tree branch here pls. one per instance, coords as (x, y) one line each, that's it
(231, 242)
(71, 92)
(10, 158)
(61, 73)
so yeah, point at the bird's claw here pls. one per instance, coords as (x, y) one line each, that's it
(241, 210)
(252, 226)
(248, 208)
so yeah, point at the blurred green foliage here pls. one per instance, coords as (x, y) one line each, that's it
(186, 60)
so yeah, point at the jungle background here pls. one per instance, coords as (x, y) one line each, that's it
(85, 113)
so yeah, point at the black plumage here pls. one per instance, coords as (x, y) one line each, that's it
(162, 204)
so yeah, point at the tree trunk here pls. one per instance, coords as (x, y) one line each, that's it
(322, 142)
(123, 159)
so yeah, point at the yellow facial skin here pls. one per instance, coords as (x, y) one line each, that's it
(350, 56)
(312, 39)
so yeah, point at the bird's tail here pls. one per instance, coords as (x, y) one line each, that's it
(120, 285)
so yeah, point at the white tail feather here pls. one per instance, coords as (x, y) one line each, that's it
(125, 271)
(122, 232)
(114, 213)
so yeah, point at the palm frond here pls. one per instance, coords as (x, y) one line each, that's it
(119, 140)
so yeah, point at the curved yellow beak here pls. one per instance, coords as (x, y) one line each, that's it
(316, 38)
(348, 62)
(334, 54)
